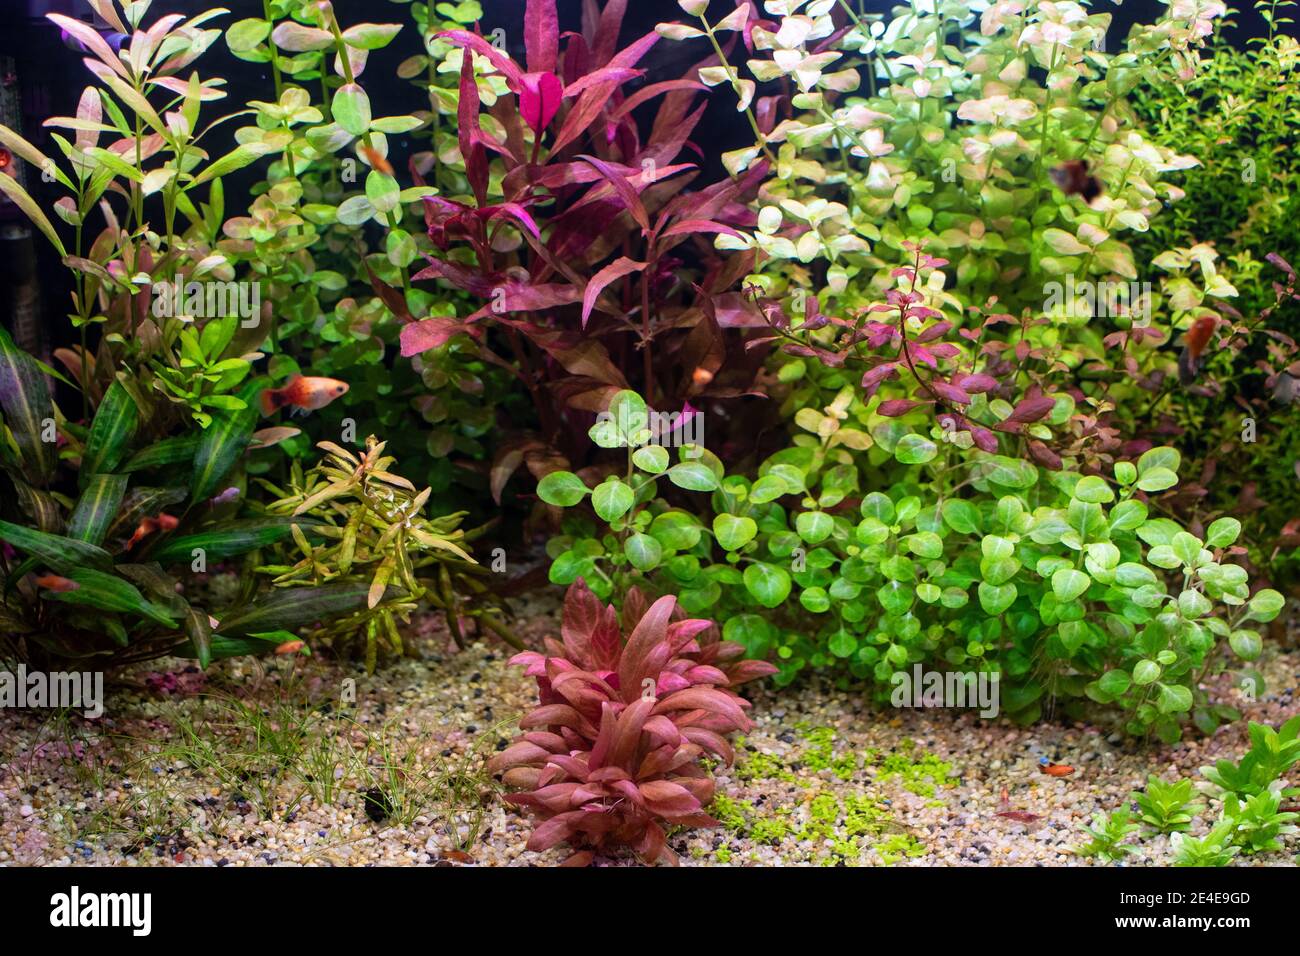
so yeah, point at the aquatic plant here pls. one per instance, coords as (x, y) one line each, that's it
(611, 755)
(373, 535)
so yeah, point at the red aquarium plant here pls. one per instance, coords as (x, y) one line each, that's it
(593, 261)
(611, 755)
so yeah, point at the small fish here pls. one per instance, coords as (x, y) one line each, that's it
(1073, 179)
(457, 856)
(378, 160)
(266, 437)
(164, 522)
(1054, 769)
(289, 647)
(225, 498)
(303, 393)
(53, 582)
(1194, 342)
(1020, 816)
(6, 158)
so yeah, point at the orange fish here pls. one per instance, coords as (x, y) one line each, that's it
(378, 161)
(1020, 816)
(53, 582)
(1054, 769)
(305, 394)
(1194, 342)
(289, 647)
(164, 522)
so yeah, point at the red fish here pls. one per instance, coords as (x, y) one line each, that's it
(1194, 342)
(304, 393)
(53, 582)
(164, 522)
(1054, 769)
(1073, 179)
(290, 647)
(1020, 816)
(6, 159)
(378, 160)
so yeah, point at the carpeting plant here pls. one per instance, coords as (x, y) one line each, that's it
(611, 756)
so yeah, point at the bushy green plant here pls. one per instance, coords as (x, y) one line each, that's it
(1063, 584)
(1108, 832)
(1258, 823)
(1212, 850)
(1272, 753)
(374, 538)
(1168, 807)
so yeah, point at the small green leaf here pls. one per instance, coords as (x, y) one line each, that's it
(351, 109)
(734, 532)
(612, 499)
(693, 476)
(767, 583)
(1068, 584)
(561, 488)
(643, 552)
(651, 458)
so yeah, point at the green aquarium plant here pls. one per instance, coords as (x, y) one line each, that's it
(374, 536)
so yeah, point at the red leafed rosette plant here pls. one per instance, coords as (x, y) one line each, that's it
(611, 755)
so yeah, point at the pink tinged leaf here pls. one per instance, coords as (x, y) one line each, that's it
(626, 193)
(516, 755)
(608, 775)
(669, 683)
(553, 715)
(420, 337)
(523, 778)
(605, 741)
(628, 736)
(949, 392)
(542, 36)
(978, 383)
(984, 439)
(609, 74)
(691, 227)
(1032, 409)
(669, 799)
(503, 64)
(750, 670)
(707, 674)
(605, 41)
(540, 99)
(649, 92)
(611, 273)
(581, 617)
(662, 731)
(471, 146)
(897, 407)
(650, 631)
(514, 211)
(556, 830)
(933, 332)
(710, 741)
(703, 698)
(679, 632)
(552, 743)
(873, 378)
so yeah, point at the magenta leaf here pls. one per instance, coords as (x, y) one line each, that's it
(539, 99)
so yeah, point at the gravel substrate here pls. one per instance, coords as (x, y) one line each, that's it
(822, 779)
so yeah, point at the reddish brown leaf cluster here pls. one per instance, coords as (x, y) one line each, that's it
(610, 756)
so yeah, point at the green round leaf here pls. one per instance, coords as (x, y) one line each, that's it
(643, 551)
(651, 458)
(1093, 489)
(1068, 584)
(734, 531)
(768, 584)
(915, 450)
(814, 526)
(693, 476)
(562, 488)
(612, 499)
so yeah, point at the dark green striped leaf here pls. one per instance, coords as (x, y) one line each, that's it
(25, 401)
(110, 433)
(169, 451)
(232, 538)
(97, 508)
(294, 607)
(223, 442)
(62, 554)
(199, 630)
(109, 593)
(46, 512)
